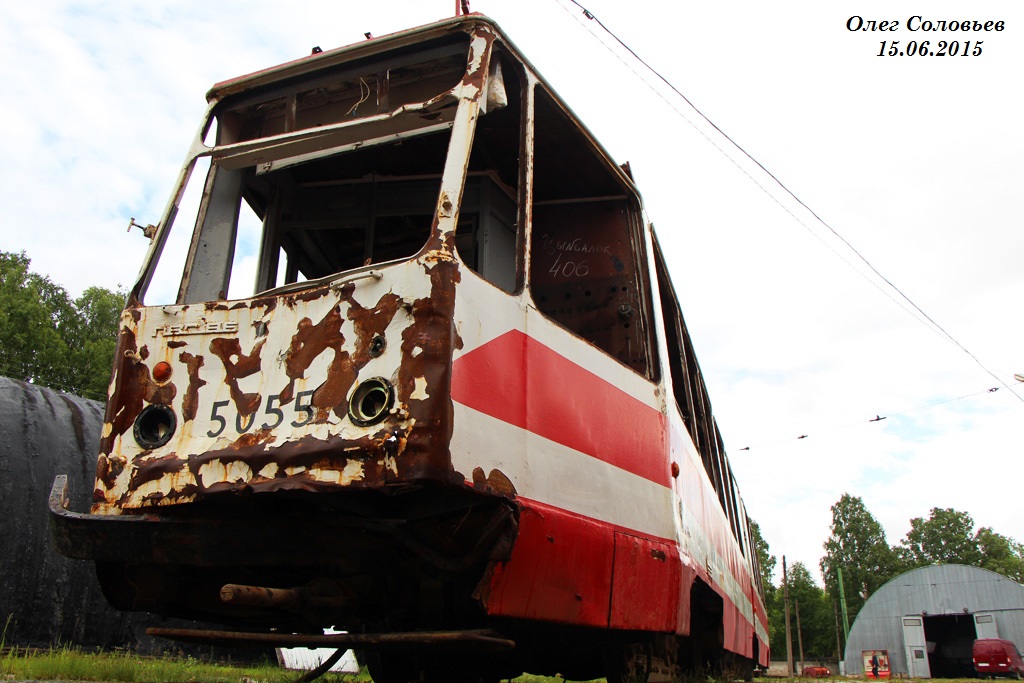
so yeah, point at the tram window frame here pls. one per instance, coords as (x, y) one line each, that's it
(489, 243)
(675, 334)
(583, 207)
(364, 191)
(265, 136)
(691, 397)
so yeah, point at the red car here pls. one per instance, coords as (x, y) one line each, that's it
(997, 657)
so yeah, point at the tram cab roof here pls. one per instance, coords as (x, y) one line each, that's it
(309, 65)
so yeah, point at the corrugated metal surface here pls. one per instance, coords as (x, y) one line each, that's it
(935, 590)
(45, 598)
(48, 598)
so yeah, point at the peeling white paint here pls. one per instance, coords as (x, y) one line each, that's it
(168, 482)
(353, 471)
(419, 391)
(327, 476)
(216, 471)
(269, 470)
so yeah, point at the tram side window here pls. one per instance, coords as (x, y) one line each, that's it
(692, 398)
(586, 254)
(487, 234)
(485, 237)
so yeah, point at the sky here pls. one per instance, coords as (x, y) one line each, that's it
(912, 163)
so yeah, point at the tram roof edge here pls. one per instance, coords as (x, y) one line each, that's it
(319, 60)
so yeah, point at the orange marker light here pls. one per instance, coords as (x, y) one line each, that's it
(162, 371)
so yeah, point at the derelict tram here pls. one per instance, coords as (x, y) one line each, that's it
(459, 409)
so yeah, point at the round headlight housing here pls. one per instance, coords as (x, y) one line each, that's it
(155, 426)
(371, 401)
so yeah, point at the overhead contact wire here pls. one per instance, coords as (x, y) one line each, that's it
(935, 326)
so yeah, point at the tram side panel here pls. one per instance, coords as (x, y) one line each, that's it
(581, 440)
(608, 537)
(707, 544)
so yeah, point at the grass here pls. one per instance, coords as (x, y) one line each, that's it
(71, 664)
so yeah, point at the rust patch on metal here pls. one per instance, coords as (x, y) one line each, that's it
(427, 357)
(177, 344)
(475, 76)
(494, 483)
(102, 474)
(292, 460)
(228, 348)
(312, 340)
(267, 303)
(253, 438)
(306, 295)
(368, 322)
(309, 342)
(153, 469)
(133, 387)
(500, 484)
(190, 402)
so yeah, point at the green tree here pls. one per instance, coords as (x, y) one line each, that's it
(946, 537)
(48, 339)
(856, 544)
(93, 338)
(772, 596)
(817, 619)
(1001, 554)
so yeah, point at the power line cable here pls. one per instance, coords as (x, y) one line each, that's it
(935, 325)
(786, 209)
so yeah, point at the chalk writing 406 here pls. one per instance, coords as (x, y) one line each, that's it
(568, 269)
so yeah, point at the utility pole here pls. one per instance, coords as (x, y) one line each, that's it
(839, 643)
(789, 633)
(842, 605)
(799, 635)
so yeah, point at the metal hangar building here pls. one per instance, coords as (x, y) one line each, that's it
(927, 619)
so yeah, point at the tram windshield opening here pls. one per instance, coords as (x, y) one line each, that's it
(312, 177)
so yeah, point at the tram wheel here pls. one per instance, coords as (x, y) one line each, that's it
(629, 662)
(391, 667)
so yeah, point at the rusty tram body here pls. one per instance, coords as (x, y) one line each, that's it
(459, 409)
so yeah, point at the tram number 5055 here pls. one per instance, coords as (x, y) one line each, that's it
(220, 414)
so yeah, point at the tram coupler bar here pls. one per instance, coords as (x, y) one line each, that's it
(235, 594)
(477, 639)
